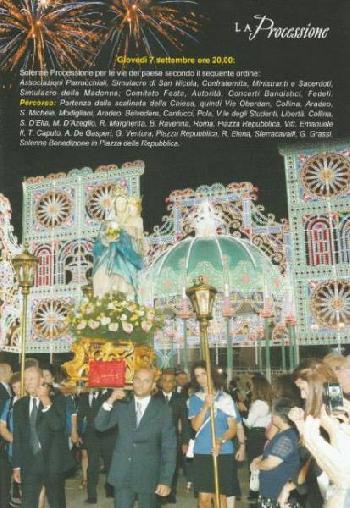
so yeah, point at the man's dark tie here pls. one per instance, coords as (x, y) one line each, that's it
(34, 439)
(95, 400)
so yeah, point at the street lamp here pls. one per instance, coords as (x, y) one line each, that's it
(25, 265)
(202, 298)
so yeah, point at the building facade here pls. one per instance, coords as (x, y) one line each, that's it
(318, 184)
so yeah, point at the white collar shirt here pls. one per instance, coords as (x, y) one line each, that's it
(31, 402)
(168, 396)
(92, 396)
(142, 403)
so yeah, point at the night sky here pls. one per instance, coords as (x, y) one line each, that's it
(198, 162)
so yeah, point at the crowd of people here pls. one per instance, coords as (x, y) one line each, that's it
(292, 436)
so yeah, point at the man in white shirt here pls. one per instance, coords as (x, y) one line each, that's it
(144, 457)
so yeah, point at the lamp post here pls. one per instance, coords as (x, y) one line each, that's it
(25, 265)
(202, 297)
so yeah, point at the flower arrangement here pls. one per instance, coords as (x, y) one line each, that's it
(114, 317)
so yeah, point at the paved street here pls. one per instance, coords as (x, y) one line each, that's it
(76, 496)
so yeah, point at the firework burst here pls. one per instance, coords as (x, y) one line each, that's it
(43, 34)
(143, 25)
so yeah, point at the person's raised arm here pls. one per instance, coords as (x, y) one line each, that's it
(198, 420)
(333, 461)
(108, 414)
(54, 409)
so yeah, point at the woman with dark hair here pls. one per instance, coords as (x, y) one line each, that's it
(310, 382)
(327, 440)
(226, 418)
(307, 363)
(258, 420)
(233, 390)
(279, 461)
(283, 386)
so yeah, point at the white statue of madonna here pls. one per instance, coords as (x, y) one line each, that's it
(118, 248)
(206, 220)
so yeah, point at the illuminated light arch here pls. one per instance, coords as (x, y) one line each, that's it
(44, 274)
(319, 241)
(344, 239)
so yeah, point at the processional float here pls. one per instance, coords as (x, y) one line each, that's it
(112, 329)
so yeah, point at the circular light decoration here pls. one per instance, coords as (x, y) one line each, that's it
(330, 303)
(53, 209)
(50, 318)
(326, 174)
(100, 201)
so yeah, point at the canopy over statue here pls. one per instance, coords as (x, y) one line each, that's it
(118, 249)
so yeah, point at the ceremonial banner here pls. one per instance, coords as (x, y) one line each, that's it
(106, 374)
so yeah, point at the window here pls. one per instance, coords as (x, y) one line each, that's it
(320, 249)
(344, 240)
(44, 272)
